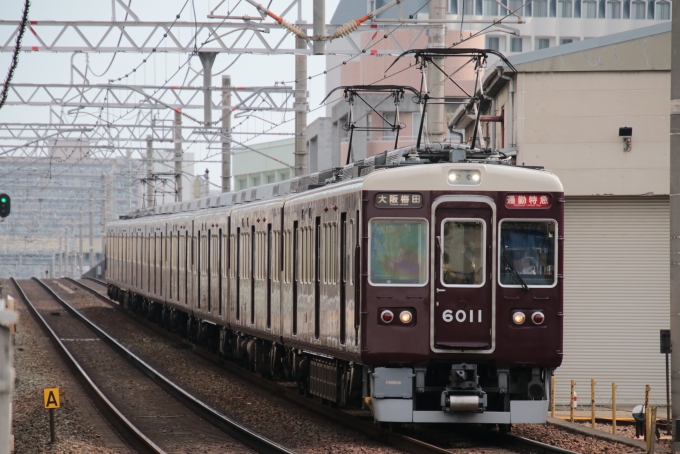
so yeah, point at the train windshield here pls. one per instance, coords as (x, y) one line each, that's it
(463, 252)
(527, 251)
(398, 252)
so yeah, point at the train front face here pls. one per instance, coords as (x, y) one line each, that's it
(462, 292)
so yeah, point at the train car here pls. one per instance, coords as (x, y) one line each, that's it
(429, 293)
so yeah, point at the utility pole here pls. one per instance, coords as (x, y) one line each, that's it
(92, 236)
(149, 171)
(675, 223)
(58, 262)
(319, 44)
(178, 155)
(226, 134)
(436, 39)
(207, 60)
(300, 109)
(80, 243)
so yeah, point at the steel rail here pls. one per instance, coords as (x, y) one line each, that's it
(409, 443)
(93, 279)
(226, 425)
(121, 425)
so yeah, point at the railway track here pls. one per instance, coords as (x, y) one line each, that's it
(148, 411)
(491, 439)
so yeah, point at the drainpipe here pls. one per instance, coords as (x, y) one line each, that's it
(493, 125)
(511, 108)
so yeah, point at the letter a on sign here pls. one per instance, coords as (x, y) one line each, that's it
(51, 398)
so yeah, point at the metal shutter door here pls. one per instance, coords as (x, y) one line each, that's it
(616, 297)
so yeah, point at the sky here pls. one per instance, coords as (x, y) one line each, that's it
(248, 70)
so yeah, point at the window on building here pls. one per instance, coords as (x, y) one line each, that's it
(566, 41)
(613, 10)
(241, 184)
(637, 10)
(589, 9)
(542, 43)
(371, 5)
(663, 11)
(468, 7)
(516, 6)
(564, 8)
(493, 42)
(650, 9)
(540, 8)
(515, 44)
(284, 175)
(256, 181)
(271, 179)
(415, 128)
(388, 123)
(490, 8)
(453, 6)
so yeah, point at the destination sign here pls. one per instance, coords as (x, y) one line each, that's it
(395, 200)
(528, 201)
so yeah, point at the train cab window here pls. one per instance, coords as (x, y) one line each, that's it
(463, 253)
(398, 252)
(527, 253)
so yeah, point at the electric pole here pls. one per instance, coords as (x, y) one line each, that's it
(226, 134)
(149, 171)
(675, 222)
(436, 39)
(300, 109)
(177, 133)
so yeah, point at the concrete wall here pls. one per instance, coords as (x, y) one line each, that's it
(569, 123)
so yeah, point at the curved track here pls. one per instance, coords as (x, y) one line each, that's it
(143, 406)
(411, 444)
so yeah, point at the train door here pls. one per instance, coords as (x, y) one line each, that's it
(463, 298)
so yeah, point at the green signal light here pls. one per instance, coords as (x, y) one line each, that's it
(3, 199)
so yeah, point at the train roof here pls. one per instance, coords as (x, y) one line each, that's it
(400, 169)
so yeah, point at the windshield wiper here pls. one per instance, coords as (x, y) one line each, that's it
(515, 274)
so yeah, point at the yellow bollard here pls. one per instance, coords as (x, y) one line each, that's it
(571, 410)
(592, 402)
(614, 408)
(552, 397)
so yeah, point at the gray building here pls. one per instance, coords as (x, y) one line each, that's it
(48, 195)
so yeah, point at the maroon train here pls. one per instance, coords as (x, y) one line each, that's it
(427, 292)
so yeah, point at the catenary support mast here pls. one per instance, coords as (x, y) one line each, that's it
(226, 134)
(300, 109)
(436, 39)
(675, 222)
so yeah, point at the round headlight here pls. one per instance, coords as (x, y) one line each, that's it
(474, 176)
(538, 318)
(406, 317)
(518, 318)
(387, 316)
(454, 176)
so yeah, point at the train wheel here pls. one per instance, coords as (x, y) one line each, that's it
(505, 428)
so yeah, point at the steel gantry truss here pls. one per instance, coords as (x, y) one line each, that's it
(143, 37)
(275, 98)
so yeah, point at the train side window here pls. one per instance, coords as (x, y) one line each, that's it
(350, 251)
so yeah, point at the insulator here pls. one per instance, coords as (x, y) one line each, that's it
(345, 30)
(293, 29)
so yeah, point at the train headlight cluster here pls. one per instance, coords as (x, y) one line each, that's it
(518, 318)
(406, 317)
(464, 177)
(387, 316)
(538, 318)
